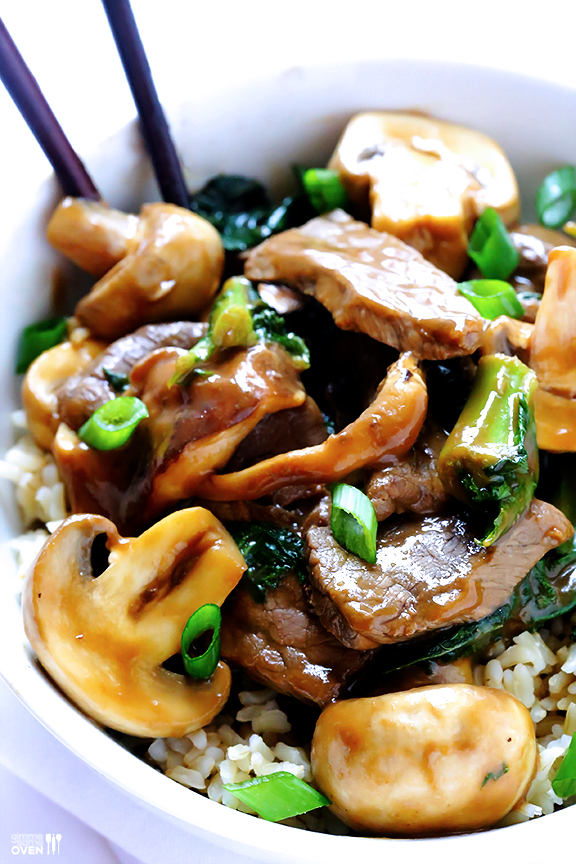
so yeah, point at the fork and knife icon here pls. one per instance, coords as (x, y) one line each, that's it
(53, 839)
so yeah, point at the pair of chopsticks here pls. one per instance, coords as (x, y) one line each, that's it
(68, 167)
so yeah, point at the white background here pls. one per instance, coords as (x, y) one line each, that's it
(202, 45)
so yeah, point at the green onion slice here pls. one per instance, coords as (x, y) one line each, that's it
(278, 796)
(353, 521)
(491, 248)
(564, 783)
(324, 189)
(37, 338)
(231, 320)
(492, 297)
(113, 424)
(556, 197)
(117, 380)
(207, 617)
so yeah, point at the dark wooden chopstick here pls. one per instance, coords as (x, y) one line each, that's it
(152, 119)
(24, 90)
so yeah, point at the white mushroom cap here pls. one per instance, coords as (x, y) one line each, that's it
(424, 180)
(104, 638)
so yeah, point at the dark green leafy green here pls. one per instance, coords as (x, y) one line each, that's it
(564, 783)
(278, 796)
(495, 775)
(118, 381)
(206, 618)
(269, 552)
(491, 247)
(271, 327)
(239, 208)
(549, 590)
(37, 338)
(556, 197)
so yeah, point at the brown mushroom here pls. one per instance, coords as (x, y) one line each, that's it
(168, 267)
(424, 180)
(104, 636)
(91, 234)
(45, 377)
(506, 335)
(389, 426)
(432, 760)
(552, 353)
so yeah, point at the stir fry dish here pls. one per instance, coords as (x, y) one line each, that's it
(316, 462)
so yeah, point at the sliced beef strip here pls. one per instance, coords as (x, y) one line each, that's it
(410, 483)
(429, 573)
(84, 393)
(282, 644)
(373, 283)
(291, 429)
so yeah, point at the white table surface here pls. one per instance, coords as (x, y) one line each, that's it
(191, 44)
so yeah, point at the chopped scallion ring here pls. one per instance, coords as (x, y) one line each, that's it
(207, 617)
(113, 424)
(492, 297)
(556, 197)
(491, 248)
(564, 783)
(324, 189)
(353, 521)
(278, 796)
(37, 338)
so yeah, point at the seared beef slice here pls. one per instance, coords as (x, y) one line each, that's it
(429, 573)
(282, 644)
(373, 283)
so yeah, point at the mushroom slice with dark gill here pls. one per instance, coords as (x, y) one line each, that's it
(104, 634)
(373, 283)
(429, 573)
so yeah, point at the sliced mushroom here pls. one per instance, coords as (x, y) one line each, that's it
(553, 352)
(91, 234)
(104, 637)
(169, 267)
(424, 180)
(195, 430)
(389, 426)
(45, 377)
(506, 335)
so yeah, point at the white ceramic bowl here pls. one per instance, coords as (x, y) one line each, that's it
(260, 130)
